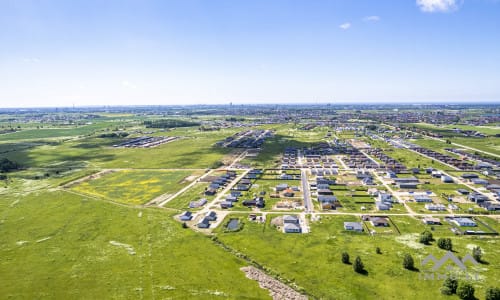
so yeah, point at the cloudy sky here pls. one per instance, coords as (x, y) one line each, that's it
(105, 52)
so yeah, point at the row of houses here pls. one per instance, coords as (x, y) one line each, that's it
(460, 164)
(389, 162)
(289, 159)
(406, 182)
(246, 139)
(358, 160)
(218, 182)
(487, 162)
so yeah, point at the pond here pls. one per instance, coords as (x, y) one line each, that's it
(233, 224)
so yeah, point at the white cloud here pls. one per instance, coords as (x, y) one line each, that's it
(438, 5)
(371, 19)
(345, 26)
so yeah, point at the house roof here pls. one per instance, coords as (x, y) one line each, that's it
(290, 218)
(354, 225)
(291, 226)
(379, 220)
(464, 220)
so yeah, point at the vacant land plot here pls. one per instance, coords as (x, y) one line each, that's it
(195, 193)
(135, 186)
(59, 245)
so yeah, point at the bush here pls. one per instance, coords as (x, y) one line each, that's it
(492, 293)
(408, 262)
(358, 265)
(449, 286)
(477, 253)
(345, 257)
(465, 291)
(426, 237)
(445, 243)
(446, 291)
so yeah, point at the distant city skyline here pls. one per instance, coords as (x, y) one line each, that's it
(188, 52)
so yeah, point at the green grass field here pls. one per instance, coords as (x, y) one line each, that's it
(61, 246)
(312, 260)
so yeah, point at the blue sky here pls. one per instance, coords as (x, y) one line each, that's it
(60, 53)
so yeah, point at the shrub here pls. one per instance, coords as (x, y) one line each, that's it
(358, 265)
(477, 253)
(408, 262)
(449, 286)
(445, 243)
(426, 237)
(465, 291)
(492, 293)
(345, 257)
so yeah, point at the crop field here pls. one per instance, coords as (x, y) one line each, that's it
(314, 259)
(136, 186)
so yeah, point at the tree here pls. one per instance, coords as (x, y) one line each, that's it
(358, 265)
(408, 262)
(345, 257)
(477, 253)
(445, 243)
(184, 225)
(378, 251)
(426, 237)
(492, 293)
(465, 291)
(7, 165)
(449, 286)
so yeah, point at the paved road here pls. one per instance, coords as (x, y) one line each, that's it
(370, 157)
(396, 195)
(237, 159)
(221, 194)
(308, 205)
